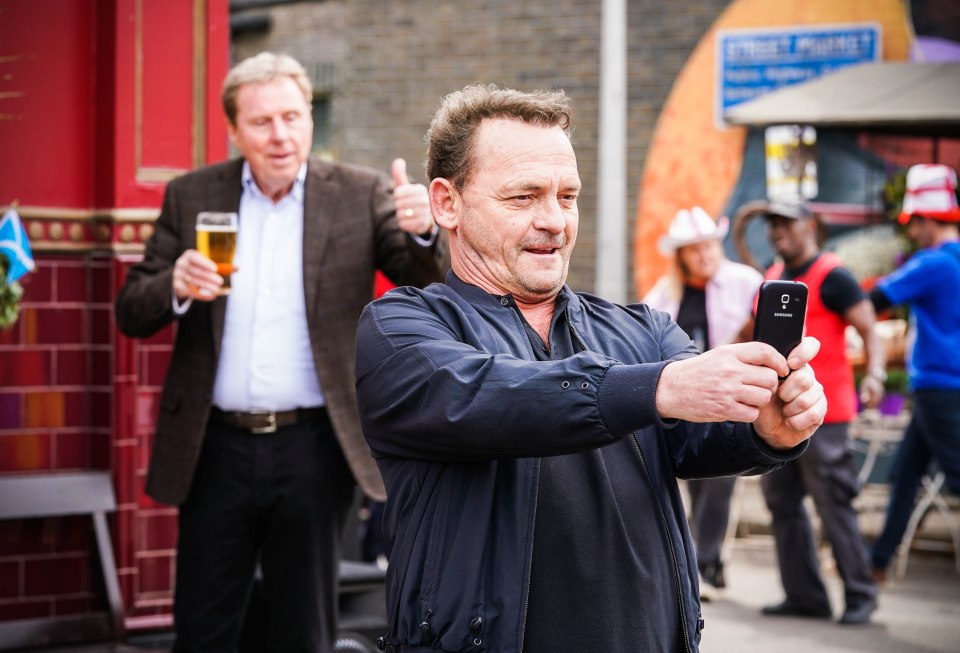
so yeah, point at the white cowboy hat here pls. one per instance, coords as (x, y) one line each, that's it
(931, 193)
(693, 226)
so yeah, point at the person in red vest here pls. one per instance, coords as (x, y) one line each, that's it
(827, 470)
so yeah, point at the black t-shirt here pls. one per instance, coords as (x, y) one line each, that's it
(840, 290)
(692, 316)
(601, 579)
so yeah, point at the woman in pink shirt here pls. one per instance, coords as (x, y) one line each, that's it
(711, 298)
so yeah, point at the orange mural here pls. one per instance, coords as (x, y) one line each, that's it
(692, 162)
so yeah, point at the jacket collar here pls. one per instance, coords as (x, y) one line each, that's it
(481, 298)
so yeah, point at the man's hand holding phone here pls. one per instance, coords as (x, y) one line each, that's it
(798, 406)
(740, 383)
(768, 383)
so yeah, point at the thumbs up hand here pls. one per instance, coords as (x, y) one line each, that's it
(398, 170)
(411, 201)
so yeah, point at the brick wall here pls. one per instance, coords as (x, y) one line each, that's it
(55, 352)
(45, 568)
(147, 530)
(54, 415)
(75, 395)
(395, 60)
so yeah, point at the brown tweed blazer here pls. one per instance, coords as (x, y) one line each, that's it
(349, 231)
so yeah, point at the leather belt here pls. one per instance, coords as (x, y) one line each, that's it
(265, 421)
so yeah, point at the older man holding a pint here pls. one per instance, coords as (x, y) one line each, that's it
(257, 436)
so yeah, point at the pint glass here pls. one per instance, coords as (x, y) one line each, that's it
(217, 240)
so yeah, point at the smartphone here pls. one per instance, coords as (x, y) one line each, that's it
(781, 311)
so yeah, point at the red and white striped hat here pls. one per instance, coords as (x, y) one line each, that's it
(931, 193)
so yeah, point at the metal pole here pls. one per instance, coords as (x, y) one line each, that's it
(611, 257)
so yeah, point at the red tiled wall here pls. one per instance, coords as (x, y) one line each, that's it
(45, 568)
(47, 364)
(51, 367)
(76, 395)
(147, 530)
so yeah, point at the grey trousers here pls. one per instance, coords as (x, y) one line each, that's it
(709, 515)
(827, 472)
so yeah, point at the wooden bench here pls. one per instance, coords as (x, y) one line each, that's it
(60, 494)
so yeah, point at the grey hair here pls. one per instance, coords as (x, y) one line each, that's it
(260, 68)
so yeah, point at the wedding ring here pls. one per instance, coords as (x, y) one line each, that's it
(408, 213)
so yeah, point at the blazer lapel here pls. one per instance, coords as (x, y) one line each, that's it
(320, 196)
(225, 197)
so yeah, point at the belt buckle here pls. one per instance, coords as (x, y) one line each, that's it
(271, 426)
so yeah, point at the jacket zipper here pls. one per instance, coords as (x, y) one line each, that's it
(533, 530)
(673, 557)
(576, 335)
(663, 522)
(663, 519)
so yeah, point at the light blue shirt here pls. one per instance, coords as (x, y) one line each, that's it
(266, 362)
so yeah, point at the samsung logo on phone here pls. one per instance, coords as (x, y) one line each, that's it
(783, 315)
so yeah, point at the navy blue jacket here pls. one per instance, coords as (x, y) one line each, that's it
(457, 412)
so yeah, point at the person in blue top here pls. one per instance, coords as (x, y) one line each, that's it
(930, 284)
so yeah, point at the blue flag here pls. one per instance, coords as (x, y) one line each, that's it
(15, 246)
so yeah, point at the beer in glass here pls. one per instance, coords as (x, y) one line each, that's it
(217, 240)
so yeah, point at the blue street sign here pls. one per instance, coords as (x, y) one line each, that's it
(757, 61)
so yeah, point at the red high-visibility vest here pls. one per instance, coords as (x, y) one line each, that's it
(831, 366)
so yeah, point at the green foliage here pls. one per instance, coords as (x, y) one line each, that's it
(893, 192)
(10, 294)
(896, 380)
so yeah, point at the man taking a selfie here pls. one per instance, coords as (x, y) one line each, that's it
(530, 437)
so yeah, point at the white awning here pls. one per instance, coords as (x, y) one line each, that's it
(902, 97)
